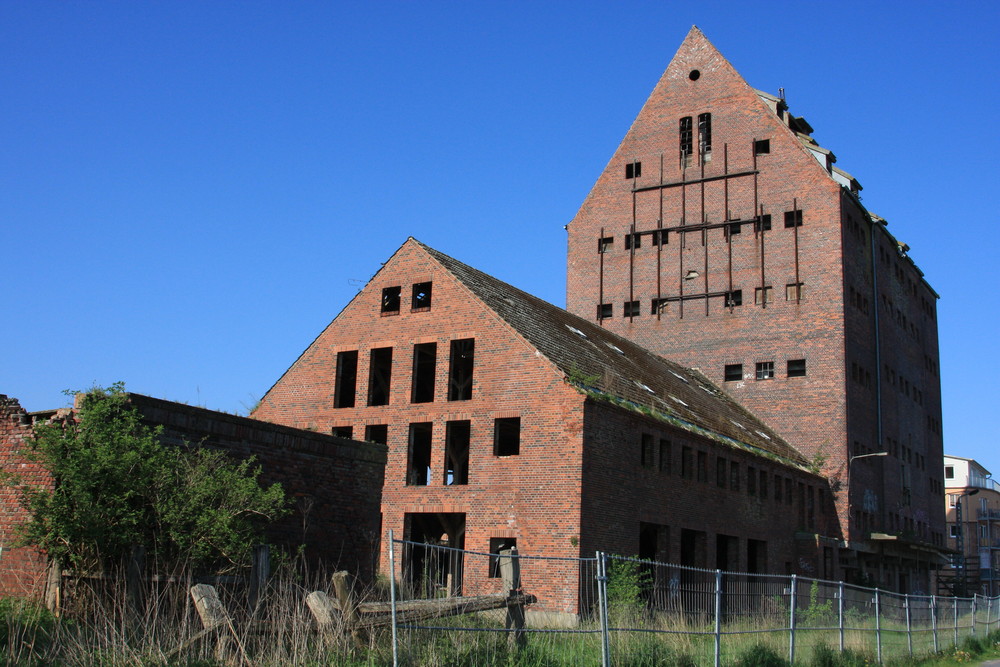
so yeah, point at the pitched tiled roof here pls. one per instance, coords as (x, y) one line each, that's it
(614, 369)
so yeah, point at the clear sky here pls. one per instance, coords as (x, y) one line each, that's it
(191, 191)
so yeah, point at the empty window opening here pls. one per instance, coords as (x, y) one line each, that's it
(633, 241)
(763, 295)
(463, 353)
(660, 237)
(687, 463)
(777, 488)
(693, 547)
(631, 309)
(762, 489)
(430, 568)
(605, 244)
(794, 291)
(604, 311)
(734, 475)
(796, 368)
(793, 218)
(702, 467)
(705, 134)
(456, 452)
(734, 298)
(498, 544)
(762, 147)
(727, 553)
(377, 433)
(379, 376)
(343, 431)
(788, 490)
(421, 296)
(424, 362)
(347, 379)
(764, 223)
(646, 450)
(721, 471)
(751, 481)
(665, 456)
(734, 228)
(390, 300)
(507, 436)
(734, 372)
(658, 305)
(686, 137)
(418, 468)
(633, 169)
(949, 472)
(765, 370)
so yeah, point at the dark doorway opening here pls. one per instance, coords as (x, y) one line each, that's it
(432, 567)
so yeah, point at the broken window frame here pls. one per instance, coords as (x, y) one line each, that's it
(421, 298)
(794, 292)
(796, 368)
(342, 432)
(461, 368)
(763, 295)
(498, 544)
(605, 311)
(686, 137)
(705, 136)
(631, 309)
(424, 371)
(346, 385)
(604, 244)
(633, 169)
(733, 299)
(763, 222)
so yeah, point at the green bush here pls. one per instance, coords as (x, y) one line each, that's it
(760, 655)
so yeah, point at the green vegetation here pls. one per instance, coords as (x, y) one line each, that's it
(118, 485)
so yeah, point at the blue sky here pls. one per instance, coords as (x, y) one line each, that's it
(191, 191)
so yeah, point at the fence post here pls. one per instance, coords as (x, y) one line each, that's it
(510, 572)
(878, 626)
(934, 622)
(602, 607)
(909, 624)
(954, 617)
(840, 613)
(974, 598)
(718, 618)
(793, 591)
(134, 588)
(260, 570)
(392, 599)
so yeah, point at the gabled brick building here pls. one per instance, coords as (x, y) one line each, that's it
(722, 235)
(511, 421)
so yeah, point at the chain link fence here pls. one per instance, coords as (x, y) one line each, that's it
(613, 609)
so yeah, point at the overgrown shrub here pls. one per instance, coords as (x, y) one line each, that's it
(760, 655)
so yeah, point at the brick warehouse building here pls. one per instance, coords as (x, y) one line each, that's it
(334, 483)
(511, 421)
(722, 235)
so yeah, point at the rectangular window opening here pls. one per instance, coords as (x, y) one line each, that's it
(763, 295)
(658, 305)
(687, 463)
(764, 223)
(734, 228)
(390, 300)
(347, 379)
(463, 353)
(633, 241)
(507, 436)
(418, 466)
(705, 134)
(424, 363)
(498, 544)
(793, 218)
(734, 372)
(721, 471)
(604, 311)
(377, 433)
(379, 376)
(751, 481)
(632, 309)
(734, 476)
(605, 243)
(343, 431)
(646, 450)
(762, 147)
(796, 368)
(633, 169)
(421, 296)
(456, 452)
(686, 137)
(794, 292)
(734, 298)
(665, 456)
(765, 370)
(702, 467)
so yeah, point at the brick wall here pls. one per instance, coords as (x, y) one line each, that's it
(22, 570)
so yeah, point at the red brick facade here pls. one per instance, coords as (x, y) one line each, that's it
(22, 570)
(593, 468)
(722, 236)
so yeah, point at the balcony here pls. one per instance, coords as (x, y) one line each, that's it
(988, 514)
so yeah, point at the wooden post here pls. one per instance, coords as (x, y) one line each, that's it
(134, 589)
(53, 588)
(260, 570)
(510, 572)
(215, 618)
(342, 585)
(325, 611)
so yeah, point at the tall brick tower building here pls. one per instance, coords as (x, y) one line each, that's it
(722, 236)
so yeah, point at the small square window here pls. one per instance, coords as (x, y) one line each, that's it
(631, 309)
(734, 372)
(660, 237)
(421, 296)
(390, 300)
(765, 370)
(793, 218)
(764, 223)
(377, 433)
(734, 228)
(633, 169)
(734, 298)
(762, 295)
(796, 368)
(794, 291)
(762, 147)
(604, 311)
(633, 241)
(949, 472)
(604, 244)
(343, 431)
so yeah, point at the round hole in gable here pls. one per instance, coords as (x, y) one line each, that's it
(694, 75)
